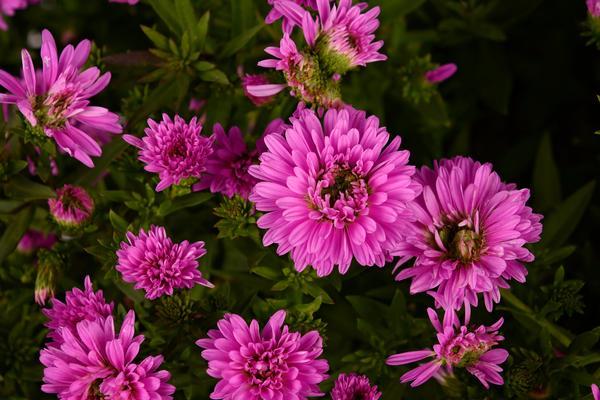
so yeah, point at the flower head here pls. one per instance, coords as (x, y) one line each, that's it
(593, 7)
(264, 91)
(333, 190)
(469, 234)
(441, 73)
(154, 263)
(458, 347)
(33, 240)
(354, 387)
(174, 149)
(270, 364)
(94, 362)
(79, 305)
(227, 167)
(72, 206)
(55, 101)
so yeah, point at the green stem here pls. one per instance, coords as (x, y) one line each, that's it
(564, 338)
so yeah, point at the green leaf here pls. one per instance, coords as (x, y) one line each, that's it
(119, 223)
(215, 75)
(279, 286)
(202, 66)
(186, 201)
(240, 41)
(546, 179)
(584, 342)
(560, 224)
(267, 272)
(14, 232)
(187, 18)
(166, 12)
(22, 188)
(158, 39)
(202, 30)
(8, 206)
(309, 308)
(397, 8)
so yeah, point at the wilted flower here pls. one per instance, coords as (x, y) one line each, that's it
(49, 264)
(33, 240)
(93, 362)
(72, 206)
(353, 387)
(441, 73)
(79, 305)
(262, 85)
(154, 263)
(270, 364)
(334, 190)
(458, 347)
(55, 101)
(174, 149)
(227, 166)
(469, 234)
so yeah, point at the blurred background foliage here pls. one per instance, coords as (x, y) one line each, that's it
(524, 98)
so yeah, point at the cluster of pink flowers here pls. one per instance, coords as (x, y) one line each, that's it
(87, 359)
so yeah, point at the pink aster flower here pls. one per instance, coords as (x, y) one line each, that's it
(595, 392)
(287, 23)
(270, 364)
(334, 190)
(260, 85)
(352, 387)
(72, 206)
(79, 305)
(469, 234)
(33, 240)
(440, 73)
(55, 101)
(227, 167)
(154, 263)
(94, 362)
(458, 347)
(593, 7)
(174, 149)
(130, 2)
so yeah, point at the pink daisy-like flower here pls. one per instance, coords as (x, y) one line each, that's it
(469, 234)
(334, 190)
(227, 167)
(458, 347)
(287, 23)
(595, 392)
(174, 149)
(270, 364)
(80, 305)
(267, 89)
(354, 387)
(33, 240)
(94, 362)
(55, 101)
(154, 263)
(441, 73)
(72, 206)
(593, 7)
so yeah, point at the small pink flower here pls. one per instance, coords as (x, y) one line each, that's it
(353, 387)
(440, 73)
(33, 240)
(593, 7)
(174, 149)
(72, 206)
(154, 263)
(458, 347)
(56, 102)
(263, 91)
(274, 363)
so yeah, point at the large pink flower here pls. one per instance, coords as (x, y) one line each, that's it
(174, 149)
(80, 305)
(270, 364)
(334, 190)
(56, 103)
(459, 347)
(227, 167)
(469, 234)
(94, 362)
(154, 263)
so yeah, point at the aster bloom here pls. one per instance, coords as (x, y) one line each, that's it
(261, 85)
(270, 364)
(353, 387)
(174, 149)
(94, 362)
(333, 190)
(595, 392)
(80, 305)
(34, 239)
(227, 167)
(71, 207)
(154, 263)
(469, 234)
(593, 7)
(441, 73)
(55, 101)
(458, 347)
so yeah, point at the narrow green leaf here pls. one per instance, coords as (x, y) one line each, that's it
(202, 66)
(189, 200)
(267, 272)
(166, 12)
(187, 18)
(546, 179)
(202, 30)
(240, 41)
(158, 39)
(215, 75)
(8, 206)
(119, 223)
(14, 232)
(21, 188)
